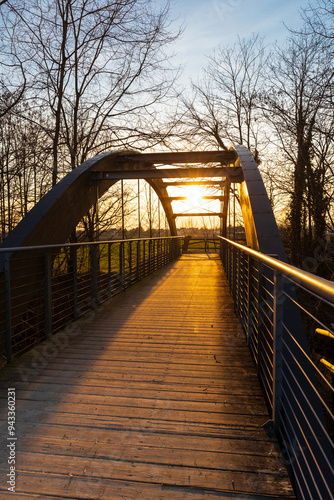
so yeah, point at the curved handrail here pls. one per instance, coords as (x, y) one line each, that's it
(83, 243)
(320, 286)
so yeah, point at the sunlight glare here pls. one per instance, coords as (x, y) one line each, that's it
(194, 196)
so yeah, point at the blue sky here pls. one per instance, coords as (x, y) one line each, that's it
(218, 22)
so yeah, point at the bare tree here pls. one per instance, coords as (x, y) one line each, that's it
(297, 109)
(25, 168)
(93, 63)
(318, 18)
(12, 69)
(223, 109)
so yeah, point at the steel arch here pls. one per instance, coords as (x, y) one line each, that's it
(260, 225)
(56, 215)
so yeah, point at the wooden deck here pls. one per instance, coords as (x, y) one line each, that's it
(155, 396)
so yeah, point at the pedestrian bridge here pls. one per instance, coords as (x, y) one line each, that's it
(143, 370)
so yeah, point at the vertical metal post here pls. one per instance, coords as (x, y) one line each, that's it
(109, 270)
(236, 276)
(149, 255)
(161, 253)
(158, 253)
(332, 361)
(48, 294)
(130, 261)
(259, 317)
(122, 194)
(94, 276)
(150, 208)
(249, 301)
(277, 351)
(97, 222)
(233, 250)
(245, 291)
(73, 250)
(8, 309)
(164, 251)
(139, 226)
(138, 260)
(229, 212)
(221, 220)
(230, 265)
(234, 211)
(121, 264)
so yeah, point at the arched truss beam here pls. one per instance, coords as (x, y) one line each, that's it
(260, 225)
(54, 218)
(162, 194)
(56, 215)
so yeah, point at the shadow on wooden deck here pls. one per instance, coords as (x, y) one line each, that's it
(153, 396)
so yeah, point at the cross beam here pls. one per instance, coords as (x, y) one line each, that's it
(222, 157)
(183, 198)
(199, 214)
(195, 183)
(234, 173)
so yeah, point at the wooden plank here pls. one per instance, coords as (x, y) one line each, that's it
(172, 454)
(193, 393)
(108, 401)
(228, 440)
(196, 477)
(158, 410)
(66, 423)
(107, 489)
(114, 378)
(155, 397)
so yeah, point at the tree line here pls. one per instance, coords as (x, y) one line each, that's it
(277, 100)
(79, 78)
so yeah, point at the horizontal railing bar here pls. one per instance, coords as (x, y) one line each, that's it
(315, 390)
(311, 475)
(308, 358)
(310, 315)
(293, 460)
(84, 243)
(311, 430)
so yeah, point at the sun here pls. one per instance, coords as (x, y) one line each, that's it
(194, 196)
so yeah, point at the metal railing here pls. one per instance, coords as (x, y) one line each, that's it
(200, 245)
(43, 289)
(274, 302)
